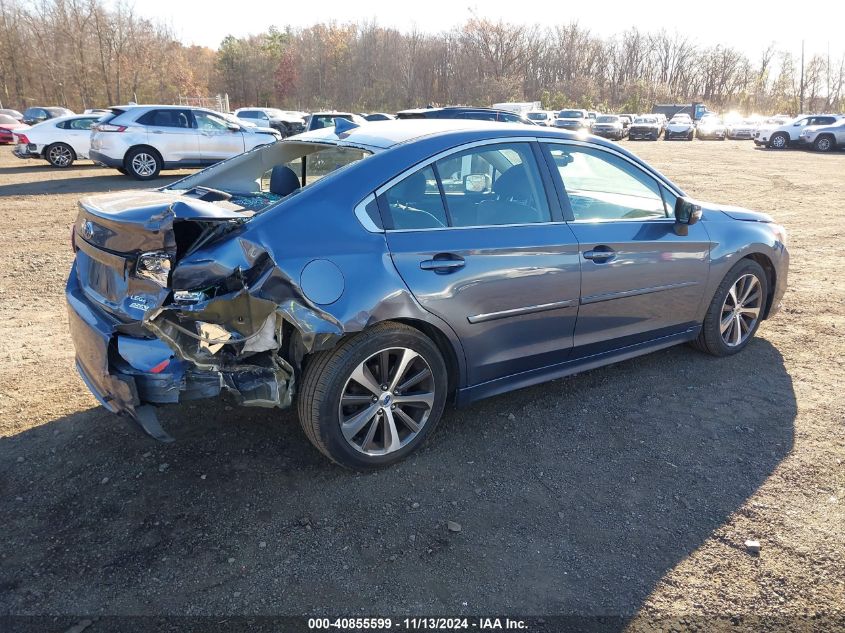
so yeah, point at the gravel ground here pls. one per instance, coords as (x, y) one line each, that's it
(628, 490)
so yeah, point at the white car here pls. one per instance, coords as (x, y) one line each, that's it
(58, 141)
(680, 126)
(319, 120)
(140, 141)
(286, 122)
(541, 117)
(789, 134)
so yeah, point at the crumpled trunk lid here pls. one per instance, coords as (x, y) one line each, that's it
(112, 231)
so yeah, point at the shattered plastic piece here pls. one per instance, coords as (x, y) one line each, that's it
(264, 339)
(146, 416)
(213, 336)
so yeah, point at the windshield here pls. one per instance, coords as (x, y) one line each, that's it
(538, 116)
(319, 121)
(711, 120)
(645, 119)
(7, 120)
(607, 119)
(681, 118)
(571, 114)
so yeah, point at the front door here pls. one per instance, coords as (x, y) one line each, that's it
(477, 242)
(217, 140)
(639, 280)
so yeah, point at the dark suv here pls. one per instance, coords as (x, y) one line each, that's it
(459, 112)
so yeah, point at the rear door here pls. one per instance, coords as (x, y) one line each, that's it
(173, 133)
(639, 280)
(77, 133)
(479, 243)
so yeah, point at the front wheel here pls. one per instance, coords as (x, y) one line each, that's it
(375, 398)
(60, 155)
(735, 311)
(779, 141)
(143, 164)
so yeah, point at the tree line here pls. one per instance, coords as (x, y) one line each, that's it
(87, 53)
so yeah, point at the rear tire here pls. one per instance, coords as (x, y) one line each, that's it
(367, 426)
(60, 155)
(730, 322)
(143, 163)
(824, 143)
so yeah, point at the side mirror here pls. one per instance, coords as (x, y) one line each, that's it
(687, 212)
(476, 183)
(233, 127)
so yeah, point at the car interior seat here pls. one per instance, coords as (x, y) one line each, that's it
(283, 180)
(514, 201)
(405, 201)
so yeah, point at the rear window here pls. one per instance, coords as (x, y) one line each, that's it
(571, 114)
(320, 164)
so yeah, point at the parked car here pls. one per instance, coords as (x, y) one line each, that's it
(8, 125)
(680, 126)
(461, 112)
(319, 120)
(379, 116)
(789, 134)
(541, 117)
(58, 141)
(610, 126)
(742, 129)
(142, 140)
(712, 127)
(287, 123)
(646, 127)
(824, 138)
(37, 114)
(573, 120)
(12, 113)
(409, 293)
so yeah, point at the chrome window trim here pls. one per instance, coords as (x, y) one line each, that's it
(452, 150)
(364, 217)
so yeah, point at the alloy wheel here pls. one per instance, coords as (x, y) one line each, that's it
(778, 141)
(144, 164)
(823, 144)
(386, 401)
(740, 310)
(60, 156)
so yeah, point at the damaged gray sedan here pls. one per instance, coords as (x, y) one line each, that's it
(371, 272)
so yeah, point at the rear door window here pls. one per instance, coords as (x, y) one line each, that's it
(167, 118)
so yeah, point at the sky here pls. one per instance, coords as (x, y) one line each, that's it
(748, 25)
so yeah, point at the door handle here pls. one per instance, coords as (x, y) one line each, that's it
(158, 131)
(600, 254)
(443, 263)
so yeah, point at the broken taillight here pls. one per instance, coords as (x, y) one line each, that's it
(73, 237)
(154, 266)
(22, 139)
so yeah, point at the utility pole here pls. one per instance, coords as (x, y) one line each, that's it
(801, 93)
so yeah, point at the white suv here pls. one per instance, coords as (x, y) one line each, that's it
(142, 140)
(788, 134)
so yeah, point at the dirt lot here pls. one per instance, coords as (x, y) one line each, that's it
(628, 490)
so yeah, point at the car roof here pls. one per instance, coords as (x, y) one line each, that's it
(383, 135)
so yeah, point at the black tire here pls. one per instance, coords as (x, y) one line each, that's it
(779, 140)
(60, 155)
(710, 338)
(326, 375)
(143, 163)
(824, 143)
